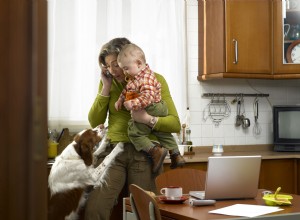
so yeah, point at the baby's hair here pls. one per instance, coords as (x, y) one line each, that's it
(132, 50)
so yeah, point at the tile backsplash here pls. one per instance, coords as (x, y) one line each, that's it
(204, 132)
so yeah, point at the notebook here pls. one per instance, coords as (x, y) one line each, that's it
(231, 177)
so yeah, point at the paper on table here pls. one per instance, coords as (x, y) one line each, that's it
(246, 210)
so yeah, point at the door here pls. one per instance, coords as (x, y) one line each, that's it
(248, 36)
(23, 111)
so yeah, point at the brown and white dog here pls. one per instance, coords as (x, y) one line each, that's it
(73, 171)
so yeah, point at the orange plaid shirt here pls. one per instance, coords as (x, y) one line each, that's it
(146, 86)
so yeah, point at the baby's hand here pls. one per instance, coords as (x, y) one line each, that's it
(128, 105)
(118, 105)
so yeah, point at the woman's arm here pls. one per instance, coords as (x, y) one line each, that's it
(170, 123)
(98, 112)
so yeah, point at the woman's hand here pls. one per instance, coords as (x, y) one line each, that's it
(141, 116)
(106, 80)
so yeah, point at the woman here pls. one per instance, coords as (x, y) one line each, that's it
(131, 166)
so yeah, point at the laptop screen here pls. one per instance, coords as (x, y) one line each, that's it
(232, 177)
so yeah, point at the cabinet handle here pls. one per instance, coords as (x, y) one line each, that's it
(235, 51)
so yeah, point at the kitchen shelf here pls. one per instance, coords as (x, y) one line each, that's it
(234, 95)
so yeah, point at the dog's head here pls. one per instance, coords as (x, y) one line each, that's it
(85, 143)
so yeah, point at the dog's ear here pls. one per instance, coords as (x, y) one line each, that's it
(77, 138)
(84, 149)
(86, 153)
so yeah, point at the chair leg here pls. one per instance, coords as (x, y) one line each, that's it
(133, 207)
(151, 211)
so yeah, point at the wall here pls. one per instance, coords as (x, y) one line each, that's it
(205, 133)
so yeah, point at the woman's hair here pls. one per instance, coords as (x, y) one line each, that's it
(114, 46)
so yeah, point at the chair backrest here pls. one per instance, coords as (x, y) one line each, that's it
(189, 179)
(143, 204)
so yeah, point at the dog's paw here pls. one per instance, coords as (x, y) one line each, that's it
(120, 145)
(102, 147)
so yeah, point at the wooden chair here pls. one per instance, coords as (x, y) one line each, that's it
(144, 205)
(189, 179)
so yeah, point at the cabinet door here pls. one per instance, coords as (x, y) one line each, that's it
(248, 36)
(289, 17)
(279, 172)
(211, 39)
(298, 176)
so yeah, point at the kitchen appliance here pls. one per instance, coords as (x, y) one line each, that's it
(286, 127)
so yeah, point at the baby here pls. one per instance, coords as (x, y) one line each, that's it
(143, 91)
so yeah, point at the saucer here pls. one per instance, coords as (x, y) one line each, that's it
(173, 201)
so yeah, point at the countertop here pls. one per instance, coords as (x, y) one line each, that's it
(201, 154)
(266, 151)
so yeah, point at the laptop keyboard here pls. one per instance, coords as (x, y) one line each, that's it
(197, 194)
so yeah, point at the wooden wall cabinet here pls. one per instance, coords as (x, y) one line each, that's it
(236, 40)
(248, 36)
(292, 18)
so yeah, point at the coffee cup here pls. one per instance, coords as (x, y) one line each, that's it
(172, 192)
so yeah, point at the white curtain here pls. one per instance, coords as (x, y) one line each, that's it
(78, 28)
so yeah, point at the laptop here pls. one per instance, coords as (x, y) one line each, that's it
(230, 177)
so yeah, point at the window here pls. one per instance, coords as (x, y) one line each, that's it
(78, 29)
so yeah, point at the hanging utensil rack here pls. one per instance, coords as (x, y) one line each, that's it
(234, 95)
(217, 109)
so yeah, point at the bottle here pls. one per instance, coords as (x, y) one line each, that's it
(187, 118)
(188, 140)
(186, 129)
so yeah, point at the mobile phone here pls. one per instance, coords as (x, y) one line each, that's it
(107, 74)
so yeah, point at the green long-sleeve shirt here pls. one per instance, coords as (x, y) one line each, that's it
(118, 120)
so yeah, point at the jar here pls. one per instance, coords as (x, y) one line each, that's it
(294, 33)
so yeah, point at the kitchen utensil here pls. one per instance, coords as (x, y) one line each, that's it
(217, 110)
(256, 127)
(245, 122)
(239, 117)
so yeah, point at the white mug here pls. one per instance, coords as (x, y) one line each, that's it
(217, 150)
(172, 192)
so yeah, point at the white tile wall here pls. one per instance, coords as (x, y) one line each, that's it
(205, 133)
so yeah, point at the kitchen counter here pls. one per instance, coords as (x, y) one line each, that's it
(201, 154)
(277, 168)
